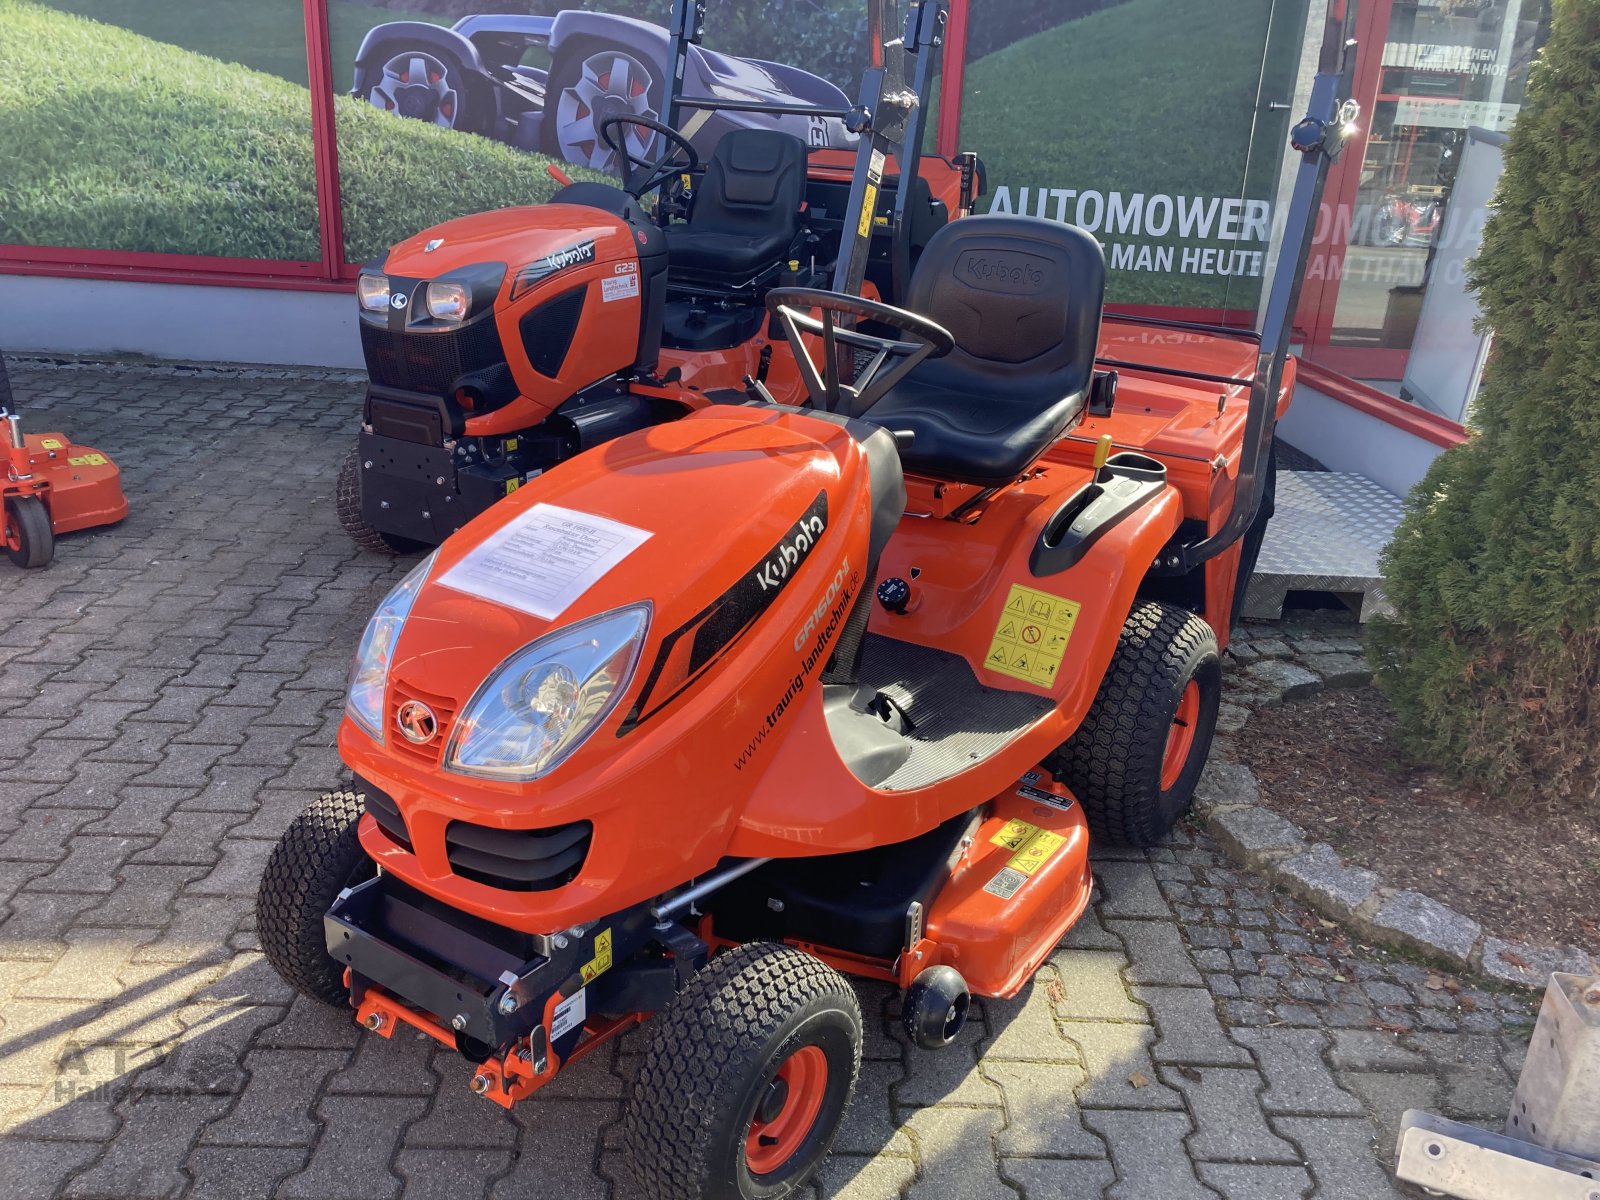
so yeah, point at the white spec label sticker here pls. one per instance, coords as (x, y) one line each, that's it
(1044, 797)
(1005, 883)
(570, 1013)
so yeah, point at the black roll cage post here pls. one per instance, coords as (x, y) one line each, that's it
(889, 118)
(1319, 137)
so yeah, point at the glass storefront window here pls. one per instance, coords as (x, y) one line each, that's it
(1445, 66)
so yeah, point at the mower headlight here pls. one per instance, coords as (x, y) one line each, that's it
(543, 701)
(369, 674)
(448, 301)
(373, 292)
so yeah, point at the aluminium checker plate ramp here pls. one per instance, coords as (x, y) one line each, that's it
(1459, 1160)
(1325, 536)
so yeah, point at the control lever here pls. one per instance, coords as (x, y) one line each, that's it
(757, 391)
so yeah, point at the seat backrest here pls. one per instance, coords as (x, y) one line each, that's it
(1022, 298)
(754, 184)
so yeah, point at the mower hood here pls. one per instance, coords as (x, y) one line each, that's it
(533, 242)
(706, 521)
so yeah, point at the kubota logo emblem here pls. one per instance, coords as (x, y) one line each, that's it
(417, 722)
(397, 300)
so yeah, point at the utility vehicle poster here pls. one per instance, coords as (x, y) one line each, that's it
(1144, 121)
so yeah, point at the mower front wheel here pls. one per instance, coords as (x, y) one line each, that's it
(317, 857)
(1135, 760)
(347, 499)
(747, 1078)
(30, 541)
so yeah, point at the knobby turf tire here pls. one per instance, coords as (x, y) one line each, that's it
(711, 1055)
(316, 858)
(347, 500)
(30, 522)
(1113, 762)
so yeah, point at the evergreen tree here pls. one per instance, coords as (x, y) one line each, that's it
(1493, 664)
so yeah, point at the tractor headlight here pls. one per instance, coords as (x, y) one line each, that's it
(543, 701)
(369, 674)
(373, 292)
(449, 301)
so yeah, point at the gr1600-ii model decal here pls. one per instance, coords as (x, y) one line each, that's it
(471, 77)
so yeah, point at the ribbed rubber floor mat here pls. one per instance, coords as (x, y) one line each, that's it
(959, 722)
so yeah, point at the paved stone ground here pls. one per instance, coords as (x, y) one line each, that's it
(169, 691)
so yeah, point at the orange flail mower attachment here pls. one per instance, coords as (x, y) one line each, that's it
(80, 486)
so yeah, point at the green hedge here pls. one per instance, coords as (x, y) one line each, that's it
(1494, 661)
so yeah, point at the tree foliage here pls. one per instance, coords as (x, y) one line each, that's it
(1493, 663)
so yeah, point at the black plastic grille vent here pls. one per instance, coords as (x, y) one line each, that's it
(430, 362)
(518, 860)
(382, 809)
(547, 332)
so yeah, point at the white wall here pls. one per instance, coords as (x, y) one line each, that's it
(1343, 438)
(180, 321)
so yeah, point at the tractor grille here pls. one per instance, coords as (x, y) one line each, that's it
(382, 809)
(433, 362)
(518, 860)
(547, 332)
(444, 714)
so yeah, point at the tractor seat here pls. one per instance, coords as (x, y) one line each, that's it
(1021, 296)
(746, 211)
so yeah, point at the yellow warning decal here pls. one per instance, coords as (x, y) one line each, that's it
(512, 485)
(869, 204)
(50, 443)
(87, 460)
(601, 962)
(1013, 834)
(1032, 635)
(1036, 851)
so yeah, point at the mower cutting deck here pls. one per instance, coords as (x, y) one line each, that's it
(694, 725)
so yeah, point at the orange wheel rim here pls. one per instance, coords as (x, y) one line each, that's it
(787, 1110)
(1180, 738)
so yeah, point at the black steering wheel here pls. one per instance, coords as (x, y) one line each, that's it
(643, 175)
(892, 359)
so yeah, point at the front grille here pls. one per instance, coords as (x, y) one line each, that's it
(518, 860)
(547, 332)
(444, 715)
(431, 362)
(381, 808)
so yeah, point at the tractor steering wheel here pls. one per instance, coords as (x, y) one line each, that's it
(640, 175)
(892, 359)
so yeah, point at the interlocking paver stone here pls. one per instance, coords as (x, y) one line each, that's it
(169, 701)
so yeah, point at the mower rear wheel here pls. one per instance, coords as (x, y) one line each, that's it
(347, 498)
(746, 1079)
(1135, 760)
(317, 857)
(30, 542)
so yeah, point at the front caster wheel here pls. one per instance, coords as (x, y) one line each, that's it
(317, 857)
(30, 542)
(1136, 758)
(935, 1007)
(746, 1079)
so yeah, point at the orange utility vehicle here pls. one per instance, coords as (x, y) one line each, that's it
(734, 706)
(49, 485)
(500, 344)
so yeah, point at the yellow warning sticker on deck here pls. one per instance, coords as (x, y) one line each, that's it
(1032, 635)
(601, 962)
(1036, 851)
(1013, 833)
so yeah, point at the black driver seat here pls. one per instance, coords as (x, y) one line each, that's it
(1021, 296)
(746, 211)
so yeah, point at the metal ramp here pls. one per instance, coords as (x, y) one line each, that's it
(1325, 536)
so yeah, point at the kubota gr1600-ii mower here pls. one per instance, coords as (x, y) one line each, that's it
(500, 344)
(49, 485)
(730, 707)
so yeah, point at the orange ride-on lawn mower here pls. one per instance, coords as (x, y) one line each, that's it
(49, 485)
(501, 344)
(734, 706)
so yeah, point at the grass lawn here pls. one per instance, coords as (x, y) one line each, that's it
(268, 35)
(1150, 96)
(160, 149)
